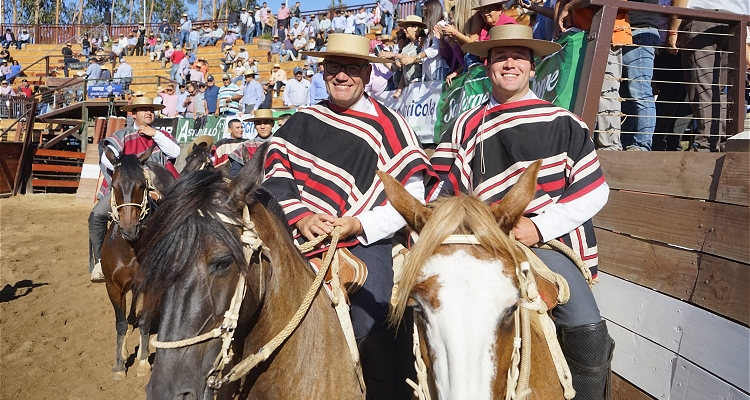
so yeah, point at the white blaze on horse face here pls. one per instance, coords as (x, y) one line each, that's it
(473, 295)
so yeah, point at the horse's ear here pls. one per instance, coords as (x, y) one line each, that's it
(414, 212)
(195, 146)
(249, 177)
(146, 154)
(110, 154)
(511, 207)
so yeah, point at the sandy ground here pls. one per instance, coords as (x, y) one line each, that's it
(57, 332)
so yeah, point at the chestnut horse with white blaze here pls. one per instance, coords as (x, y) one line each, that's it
(461, 279)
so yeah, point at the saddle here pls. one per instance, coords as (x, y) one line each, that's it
(352, 271)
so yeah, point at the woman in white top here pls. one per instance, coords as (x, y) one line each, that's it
(434, 67)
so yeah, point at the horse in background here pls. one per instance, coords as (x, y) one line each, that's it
(191, 270)
(198, 158)
(136, 185)
(461, 278)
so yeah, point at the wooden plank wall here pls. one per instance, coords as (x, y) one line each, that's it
(674, 245)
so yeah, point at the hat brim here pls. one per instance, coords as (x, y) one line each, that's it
(131, 107)
(253, 119)
(321, 54)
(404, 23)
(477, 8)
(541, 48)
(208, 140)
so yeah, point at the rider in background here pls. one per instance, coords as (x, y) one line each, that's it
(485, 152)
(135, 140)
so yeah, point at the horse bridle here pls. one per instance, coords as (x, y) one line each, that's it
(143, 205)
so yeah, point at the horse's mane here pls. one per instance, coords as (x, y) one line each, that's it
(130, 166)
(461, 214)
(175, 229)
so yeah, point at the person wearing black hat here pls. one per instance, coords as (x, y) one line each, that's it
(8, 38)
(136, 140)
(67, 53)
(25, 89)
(482, 149)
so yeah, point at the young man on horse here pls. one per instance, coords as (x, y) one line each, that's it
(321, 167)
(485, 152)
(136, 140)
(263, 121)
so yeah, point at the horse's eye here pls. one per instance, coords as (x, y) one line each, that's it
(223, 263)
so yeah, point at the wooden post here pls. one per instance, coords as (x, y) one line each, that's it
(100, 129)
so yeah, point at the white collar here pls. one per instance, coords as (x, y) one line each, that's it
(528, 96)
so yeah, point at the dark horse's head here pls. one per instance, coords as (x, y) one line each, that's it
(191, 258)
(131, 184)
(198, 159)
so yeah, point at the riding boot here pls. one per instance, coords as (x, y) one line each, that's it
(588, 350)
(383, 365)
(97, 231)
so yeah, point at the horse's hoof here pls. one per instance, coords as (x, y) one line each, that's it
(118, 375)
(144, 368)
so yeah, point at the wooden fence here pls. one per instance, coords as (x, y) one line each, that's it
(674, 244)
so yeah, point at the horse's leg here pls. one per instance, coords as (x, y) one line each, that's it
(121, 326)
(144, 326)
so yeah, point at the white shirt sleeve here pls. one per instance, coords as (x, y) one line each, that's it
(383, 221)
(105, 160)
(167, 146)
(562, 218)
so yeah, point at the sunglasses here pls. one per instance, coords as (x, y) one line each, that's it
(353, 70)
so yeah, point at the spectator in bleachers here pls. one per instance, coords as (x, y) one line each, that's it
(492, 13)
(85, 46)
(289, 52)
(229, 38)
(15, 71)
(638, 69)
(106, 75)
(282, 31)
(194, 38)
(376, 42)
(297, 90)
(300, 44)
(252, 94)
(278, 78)
(124, 74)
(165, 31)
(141, 43)
(8, 38)
(182, 97)
(295, 30)
(360, 21)
(314, 23)
(212, 96)
(705, 47)
(324, 24)
(23, 38)
(338, 24)
(67, 53)
(386, 11)
(250, 29)
(229, 58)
(434, 67)
(451, 52)
(265, 16)
(195, 104)
(276, 49)
(184, 31)
(5, 70)
(295, 12)
(116, 52)
(408, 56)
(94, 71)
(242, 56)
(349, 22)
(148, 48)
(318, 89)
(132, 44)
(25, 89)
(96, 44)
(216, 34)
(195, 73)
(282, 16)
(169, 98)
(268, 96)
(6, 89)
(244, 16)
(252, 66)
(156, 52)
(5, 54)
(258, 20)
(229, 96)
(183, 69)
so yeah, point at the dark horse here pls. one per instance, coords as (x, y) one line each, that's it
(190, 271)
(198, 159)
(135, 183)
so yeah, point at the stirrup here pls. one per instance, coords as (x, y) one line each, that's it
(97, 276)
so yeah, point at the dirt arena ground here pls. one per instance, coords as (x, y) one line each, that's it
(57, 333)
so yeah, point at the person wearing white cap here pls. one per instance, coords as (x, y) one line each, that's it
(335, 147)
(136, 139)
(297, 90)
(482, 148)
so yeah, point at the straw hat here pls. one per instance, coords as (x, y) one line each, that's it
(386, 38)
(487, 3)
(412, 20)
(512, 35)
(347, 45)
(142, 102)
(262, 114)
(203, 141)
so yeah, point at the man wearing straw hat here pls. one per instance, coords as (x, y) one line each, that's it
(335, 147)
(484, 153)
(135, 139)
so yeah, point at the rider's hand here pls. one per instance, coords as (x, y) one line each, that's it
(147, 130)
(526, 232)
(350, 226)
(315, 225)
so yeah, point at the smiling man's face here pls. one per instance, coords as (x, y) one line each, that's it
(345, 90)
(510, 69)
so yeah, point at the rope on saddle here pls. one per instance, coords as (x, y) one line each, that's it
(561, 247)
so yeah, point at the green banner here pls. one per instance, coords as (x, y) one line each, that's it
(215, 126)
(557, 76)
(466, 91)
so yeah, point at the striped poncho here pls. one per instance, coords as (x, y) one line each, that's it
(323, 160)
(488, 147)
